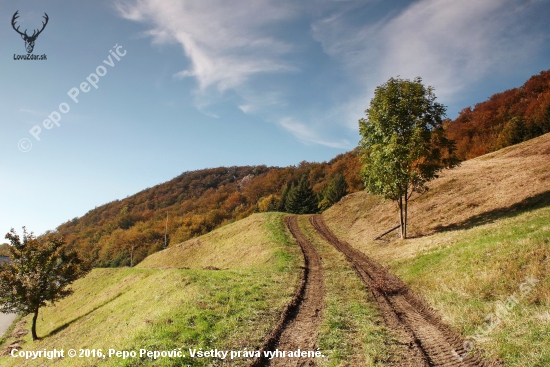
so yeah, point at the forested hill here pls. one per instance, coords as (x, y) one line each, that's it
(505, 119)
(124, 232)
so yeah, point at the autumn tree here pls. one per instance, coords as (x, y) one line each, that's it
(39, 273)
(268, 204)
(506, 118)
(403, 142)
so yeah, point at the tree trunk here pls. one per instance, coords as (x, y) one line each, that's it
(33, 329)
(405, 214)
(400, 204)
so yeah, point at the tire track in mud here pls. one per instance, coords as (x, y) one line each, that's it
(299, 323)
(430, 341)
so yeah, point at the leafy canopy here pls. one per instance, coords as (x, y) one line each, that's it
(39, 272)
(403, 139)
(336, 190)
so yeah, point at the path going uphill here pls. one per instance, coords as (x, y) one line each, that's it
(298, 327)
(431, 343)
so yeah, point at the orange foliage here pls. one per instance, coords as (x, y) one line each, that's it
(480, 130)
(126, 231)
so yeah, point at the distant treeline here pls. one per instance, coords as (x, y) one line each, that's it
(126, 231)
(505, 119)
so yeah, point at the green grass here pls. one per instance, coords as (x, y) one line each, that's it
(164, 309)
(478, 267)
(251, 242)
(352, 331)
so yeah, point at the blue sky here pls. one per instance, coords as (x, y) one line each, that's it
(218, 83)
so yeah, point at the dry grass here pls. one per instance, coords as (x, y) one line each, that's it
(242, 244)
(481, 190)
(476, 235)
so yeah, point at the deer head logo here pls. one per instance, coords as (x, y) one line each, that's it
(29, 40)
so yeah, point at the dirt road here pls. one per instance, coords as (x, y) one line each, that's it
(298, 327)
(431, 343)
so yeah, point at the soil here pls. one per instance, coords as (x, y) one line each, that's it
(298, 327)
(430, 342)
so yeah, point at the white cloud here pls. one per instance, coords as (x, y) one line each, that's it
(246, 108)
(226, 41)
(308, 135)
(455, 43)
(450, 44)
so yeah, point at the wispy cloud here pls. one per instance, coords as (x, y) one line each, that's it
(32, 112)
(455, 43)
(308, 135)
(450, 44)
(234, 45)
(227, 42)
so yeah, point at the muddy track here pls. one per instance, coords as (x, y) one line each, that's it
(430, 341)
(298, 326)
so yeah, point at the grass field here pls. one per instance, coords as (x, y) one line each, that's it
(477, 236)
(481, 230)
(168, 308)
(473, 275)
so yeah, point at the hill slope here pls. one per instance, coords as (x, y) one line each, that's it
(480, 233)
(477, 236)
(126, 231)
(169, 308)
(505, 119)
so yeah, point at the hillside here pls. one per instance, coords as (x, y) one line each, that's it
(475, 242)
(166, 307)
(232, 270)
(124, 232)
(506, 118)
(479, 232)
(476, 192)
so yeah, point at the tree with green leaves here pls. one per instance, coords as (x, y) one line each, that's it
(301, 199)
(336, 190)
(403, 142)
(514, 132)
(39, 273)
(282, 200)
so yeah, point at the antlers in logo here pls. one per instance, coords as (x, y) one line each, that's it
(29, 40)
